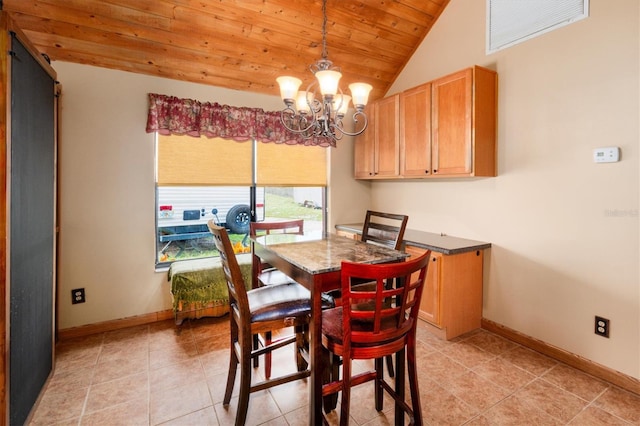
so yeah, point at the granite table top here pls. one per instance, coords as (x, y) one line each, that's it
(318, 253)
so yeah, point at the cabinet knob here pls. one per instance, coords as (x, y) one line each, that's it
(435, 171)
(426, 171)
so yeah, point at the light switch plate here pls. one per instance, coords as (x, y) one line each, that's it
(609, 154)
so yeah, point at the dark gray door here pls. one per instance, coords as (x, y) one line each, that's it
(31, 243)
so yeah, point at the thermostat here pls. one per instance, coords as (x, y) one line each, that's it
(609, 154)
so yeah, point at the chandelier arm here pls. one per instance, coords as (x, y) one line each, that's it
(301, 119)
(339, 126)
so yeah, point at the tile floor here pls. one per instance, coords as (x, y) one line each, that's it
(153, 374)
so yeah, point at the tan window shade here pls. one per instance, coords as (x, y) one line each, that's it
(185, 160)
(289, 165)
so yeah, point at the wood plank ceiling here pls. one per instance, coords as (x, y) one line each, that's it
(236, 44)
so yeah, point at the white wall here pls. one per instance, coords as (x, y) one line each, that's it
(564, 230)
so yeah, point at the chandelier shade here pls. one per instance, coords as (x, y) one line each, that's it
(318, 111)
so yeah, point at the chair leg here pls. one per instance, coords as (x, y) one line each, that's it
(379, 390)
(233, 365)
(267, 356)
(301, 345)
(346, 391)
(413, 384)
(231, 376)
(389, 360)
(399, 409)
(330, 374)
(245, 382)
(256, 345)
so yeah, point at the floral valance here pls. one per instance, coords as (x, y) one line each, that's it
(171, 115)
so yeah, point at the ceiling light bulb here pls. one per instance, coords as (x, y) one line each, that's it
(288, 87)
(303, 102)
(328, 81)
(341, 104)
(360, 93)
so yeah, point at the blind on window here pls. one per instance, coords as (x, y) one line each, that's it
(513, 21)
(185, 160)
(290, 165)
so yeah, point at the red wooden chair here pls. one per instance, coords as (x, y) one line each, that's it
(386, 229)
(373, 324)
(257, 311)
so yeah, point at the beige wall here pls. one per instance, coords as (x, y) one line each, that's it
(558, 257)
(564, 230)
(107, 190)
(106, 180)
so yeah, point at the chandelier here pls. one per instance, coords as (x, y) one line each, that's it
(310, 115)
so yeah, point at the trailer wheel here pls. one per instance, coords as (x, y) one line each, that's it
(238, 219)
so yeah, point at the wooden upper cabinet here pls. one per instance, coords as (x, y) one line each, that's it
(464, 123)
(387, 146)
(415, 131)
(444, 128)
(364, 147)
(377, 150)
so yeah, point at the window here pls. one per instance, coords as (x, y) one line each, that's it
(511, 22)
(199, 179)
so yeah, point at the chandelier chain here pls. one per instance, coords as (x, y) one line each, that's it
(324, 30)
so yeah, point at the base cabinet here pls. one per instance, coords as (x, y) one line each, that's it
(347, 234)
(452, 298)
(451, 302)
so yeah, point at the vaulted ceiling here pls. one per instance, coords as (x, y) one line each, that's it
(236, 44)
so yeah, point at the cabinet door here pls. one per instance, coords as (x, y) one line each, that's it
(430, 303)
(451, 121)
(364, 146)
(415, 131)
(387, 148)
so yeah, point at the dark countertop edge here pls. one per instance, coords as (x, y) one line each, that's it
(444, 244)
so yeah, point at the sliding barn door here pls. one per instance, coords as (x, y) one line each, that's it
(31, 216)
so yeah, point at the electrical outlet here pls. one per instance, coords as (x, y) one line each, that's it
(602, 327)
(77, 296)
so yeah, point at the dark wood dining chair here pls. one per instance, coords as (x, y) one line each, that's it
(373, 324)
(385, 229)
(266, 274)
(257, 311)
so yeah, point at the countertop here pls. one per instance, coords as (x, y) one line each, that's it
(444, 244)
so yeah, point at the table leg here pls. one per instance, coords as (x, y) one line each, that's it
(317, 362)
(255, 268)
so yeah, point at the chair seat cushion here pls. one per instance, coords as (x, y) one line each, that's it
(332, 330)
(282, 301)
(278, 302)
(274, 277)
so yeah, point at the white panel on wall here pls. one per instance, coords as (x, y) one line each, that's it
(513, 21)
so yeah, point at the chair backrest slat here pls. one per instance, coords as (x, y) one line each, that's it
(295, 226)
(384, 228)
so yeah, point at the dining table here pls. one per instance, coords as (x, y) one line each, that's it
(314, 260)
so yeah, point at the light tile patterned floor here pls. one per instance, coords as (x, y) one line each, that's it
(155, 374)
